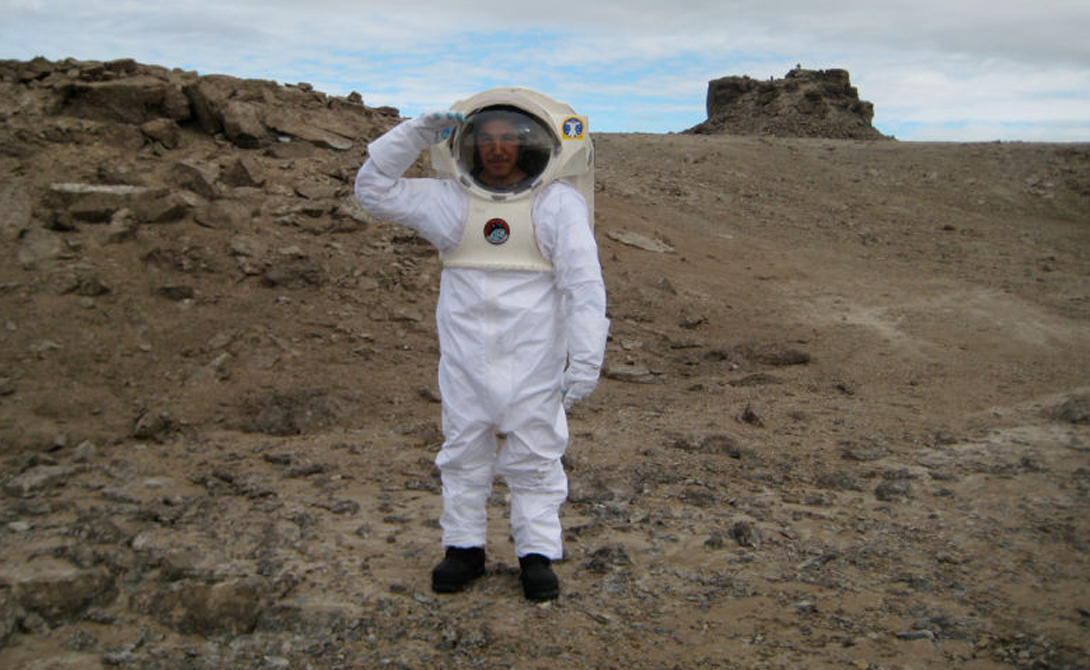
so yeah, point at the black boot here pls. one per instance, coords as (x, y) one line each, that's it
(458, 569)
(539, 582)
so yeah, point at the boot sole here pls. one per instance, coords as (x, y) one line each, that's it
(454, 587)
(546, 595)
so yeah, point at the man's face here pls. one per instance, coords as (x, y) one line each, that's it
(498, 146)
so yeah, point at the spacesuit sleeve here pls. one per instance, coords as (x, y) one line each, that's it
(435, 208)
(569, 243)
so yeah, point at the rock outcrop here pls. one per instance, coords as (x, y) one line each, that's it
(119, 145)
(250, 113)
(805, 103)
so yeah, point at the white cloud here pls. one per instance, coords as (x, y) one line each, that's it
(932, 66)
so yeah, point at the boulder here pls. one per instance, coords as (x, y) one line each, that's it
(295, 125)
(242, 125)
(192, 178)
(211, 95)
(194, 607)
(242, 173)
(98, 203)
(58, 591)
(164, 131)
(38, 479)
(135, 100)
(36, 246)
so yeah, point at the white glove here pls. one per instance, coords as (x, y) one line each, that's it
(437, 126)
(579, 382)
(398, 148)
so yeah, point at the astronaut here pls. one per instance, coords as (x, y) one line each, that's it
(521, 313)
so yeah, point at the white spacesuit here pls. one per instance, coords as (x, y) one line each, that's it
(522, 331)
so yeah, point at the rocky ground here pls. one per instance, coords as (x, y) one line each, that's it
(845, 419)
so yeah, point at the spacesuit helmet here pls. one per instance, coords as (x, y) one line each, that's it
(554, 144)
(504, 149)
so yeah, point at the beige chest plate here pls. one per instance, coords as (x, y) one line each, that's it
(500, 236)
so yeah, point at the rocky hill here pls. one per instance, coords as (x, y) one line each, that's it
(844, 419)
(805, 103)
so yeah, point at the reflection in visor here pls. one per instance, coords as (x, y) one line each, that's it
(504, 148)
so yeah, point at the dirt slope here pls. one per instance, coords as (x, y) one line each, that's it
(844, 421)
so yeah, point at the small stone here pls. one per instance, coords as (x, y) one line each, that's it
(893, 491)
(38, 479)
(921, 634)
(746, 534)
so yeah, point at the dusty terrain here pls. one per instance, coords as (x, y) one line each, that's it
(845, 421)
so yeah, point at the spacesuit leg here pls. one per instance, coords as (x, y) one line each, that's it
(530, 464)
(467, 467)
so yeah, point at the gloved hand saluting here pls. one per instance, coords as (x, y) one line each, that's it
(437, 126)
(395, 151)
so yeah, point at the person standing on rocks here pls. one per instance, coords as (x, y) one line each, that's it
(521, 318)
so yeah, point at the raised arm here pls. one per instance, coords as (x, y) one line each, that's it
(434, 208)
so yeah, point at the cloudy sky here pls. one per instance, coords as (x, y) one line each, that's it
(962, 70)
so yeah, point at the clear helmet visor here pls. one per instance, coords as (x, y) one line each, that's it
(504, 149)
